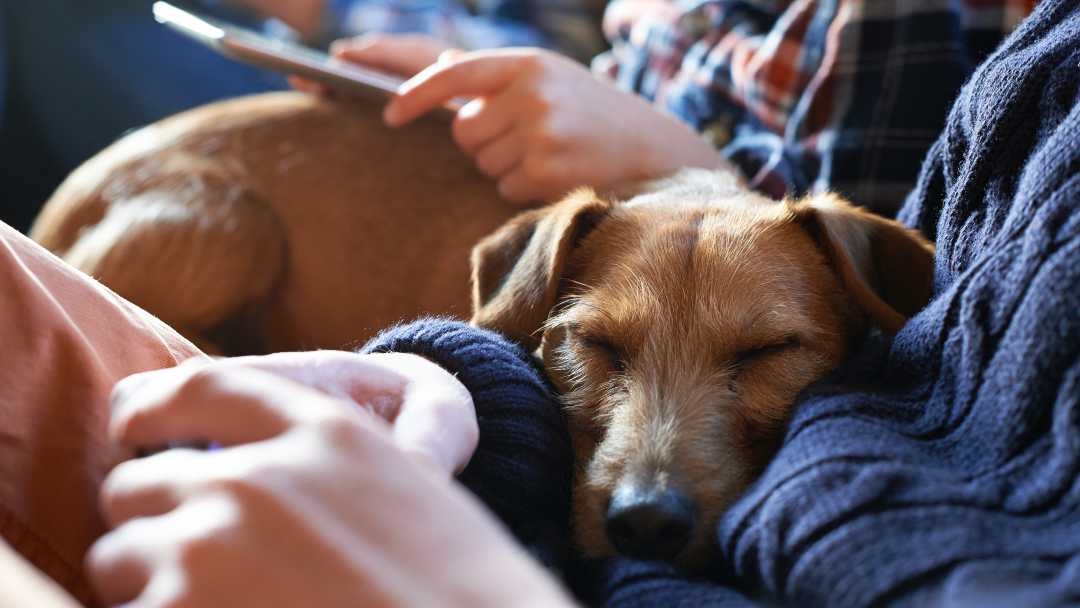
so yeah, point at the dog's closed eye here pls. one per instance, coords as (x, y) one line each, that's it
(749, 356)
(615, 355)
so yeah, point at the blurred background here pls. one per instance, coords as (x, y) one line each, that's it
(77, 74)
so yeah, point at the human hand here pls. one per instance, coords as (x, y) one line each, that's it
(541, 124)
(430, 412)
(311, 501)
(401, 54)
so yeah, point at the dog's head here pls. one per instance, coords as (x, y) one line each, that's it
(679, 326)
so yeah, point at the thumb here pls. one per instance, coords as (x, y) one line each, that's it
(437, 421)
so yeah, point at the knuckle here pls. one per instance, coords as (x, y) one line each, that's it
(535, 168)
(202, 383)
(541, 140)
(114, 491)
(180, 593)
(532, 63)
(487, 163)
(541, 104)
(195, 552)
(462, 131)
(512, 191)
(102, 555)
(192, 553)
(486, 167)
(246, 489)
(344, 432)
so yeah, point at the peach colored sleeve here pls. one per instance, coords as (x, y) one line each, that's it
(66, 340)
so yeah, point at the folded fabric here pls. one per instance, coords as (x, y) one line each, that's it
(67, 340)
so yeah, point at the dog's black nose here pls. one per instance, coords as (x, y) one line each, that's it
(649, 524)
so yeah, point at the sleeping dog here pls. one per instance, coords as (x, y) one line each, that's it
(679, 327)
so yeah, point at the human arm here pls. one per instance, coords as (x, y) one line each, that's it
(541, 125)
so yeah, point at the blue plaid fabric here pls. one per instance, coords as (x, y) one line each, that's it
(571, 27)
(844, 95)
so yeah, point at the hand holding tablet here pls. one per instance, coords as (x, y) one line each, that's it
(262, 51)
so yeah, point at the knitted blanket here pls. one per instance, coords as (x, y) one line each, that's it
(941, 468)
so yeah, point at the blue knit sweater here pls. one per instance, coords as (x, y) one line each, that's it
(942, 468)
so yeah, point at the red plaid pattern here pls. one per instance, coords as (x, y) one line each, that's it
(794, 70)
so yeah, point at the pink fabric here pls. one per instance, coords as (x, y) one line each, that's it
(66, 340)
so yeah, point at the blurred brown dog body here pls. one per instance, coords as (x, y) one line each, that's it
(680, 326)
(278, 222)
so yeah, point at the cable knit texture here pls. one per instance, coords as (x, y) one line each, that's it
(942, 468)
(522, 465)
(946, 470)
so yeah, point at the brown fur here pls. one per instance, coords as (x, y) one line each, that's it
(278, 222)
(680, 326)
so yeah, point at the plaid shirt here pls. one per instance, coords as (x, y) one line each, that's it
(571, 27)
(809, 95)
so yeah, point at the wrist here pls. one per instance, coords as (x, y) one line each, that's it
(680, 147)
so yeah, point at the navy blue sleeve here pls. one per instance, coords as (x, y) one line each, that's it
(522, 466)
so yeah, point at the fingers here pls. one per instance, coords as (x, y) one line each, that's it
(120, 564)
(482, 121)
(438, 422)
(476, 74)
(151, 486)
(401, 54)
(252, 399)
(146, 559)
(535, 179)
(500, 157)
(361, 379)
(308, 86)
(223, 404)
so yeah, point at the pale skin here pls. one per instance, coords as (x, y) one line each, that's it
(538, 123)
(332, 487)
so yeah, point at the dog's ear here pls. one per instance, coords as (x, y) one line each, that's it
(887, 268)
(517, 271)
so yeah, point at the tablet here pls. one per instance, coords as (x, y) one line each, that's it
(250, 47)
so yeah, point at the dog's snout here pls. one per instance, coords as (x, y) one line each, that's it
(650, 523)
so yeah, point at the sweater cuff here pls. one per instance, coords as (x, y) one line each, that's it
(522, 465)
